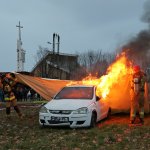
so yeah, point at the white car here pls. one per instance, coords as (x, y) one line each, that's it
(74, 106)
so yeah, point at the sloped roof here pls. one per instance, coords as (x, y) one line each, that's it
(56, 66)
(50, 52)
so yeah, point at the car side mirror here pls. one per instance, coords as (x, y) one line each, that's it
(97, 98)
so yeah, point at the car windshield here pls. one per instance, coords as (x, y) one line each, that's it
(75, 93)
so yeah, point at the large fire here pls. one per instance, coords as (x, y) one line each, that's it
(115, 73)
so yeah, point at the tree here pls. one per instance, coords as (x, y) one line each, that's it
(94, 63)
(41, 52)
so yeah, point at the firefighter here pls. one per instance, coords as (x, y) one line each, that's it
(137, 94)
(9, 81)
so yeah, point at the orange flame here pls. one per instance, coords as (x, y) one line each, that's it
(115, 72)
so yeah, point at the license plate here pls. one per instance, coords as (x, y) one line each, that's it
(59, 119)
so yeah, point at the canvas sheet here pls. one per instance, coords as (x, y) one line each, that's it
(119, 97)
(47, 88)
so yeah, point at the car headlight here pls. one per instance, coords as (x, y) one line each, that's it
(43, 110)
(83, 110)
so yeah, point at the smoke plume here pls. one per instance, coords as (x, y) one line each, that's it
(138, 48)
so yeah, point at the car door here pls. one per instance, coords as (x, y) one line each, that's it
(105, 107)
(101, 109)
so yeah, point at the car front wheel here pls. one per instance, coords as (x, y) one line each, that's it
(93, 120)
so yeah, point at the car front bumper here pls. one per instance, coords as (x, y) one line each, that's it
(72, 120)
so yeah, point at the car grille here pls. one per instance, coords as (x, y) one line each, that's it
(66, 112)
(58, 122)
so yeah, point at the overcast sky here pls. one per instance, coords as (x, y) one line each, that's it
(82, 25)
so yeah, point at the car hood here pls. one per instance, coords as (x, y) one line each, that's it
(68, 104)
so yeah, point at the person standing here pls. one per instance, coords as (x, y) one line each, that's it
(29, 95)
(138, 80)
(9, 81)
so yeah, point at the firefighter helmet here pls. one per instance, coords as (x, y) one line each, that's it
(136, 68)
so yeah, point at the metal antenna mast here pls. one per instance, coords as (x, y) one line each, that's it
(20, 51)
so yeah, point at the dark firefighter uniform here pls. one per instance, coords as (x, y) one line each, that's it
(137, 94)
(8, 85)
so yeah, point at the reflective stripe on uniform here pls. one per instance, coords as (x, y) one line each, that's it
(7, 98)
(141, 113)
(12, 97)
(132, 115)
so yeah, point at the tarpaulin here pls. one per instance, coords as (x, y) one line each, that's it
(119, 97)
(47, 88)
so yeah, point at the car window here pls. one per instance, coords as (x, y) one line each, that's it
(75, 93)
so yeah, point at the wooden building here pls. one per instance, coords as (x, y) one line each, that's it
(56, 66)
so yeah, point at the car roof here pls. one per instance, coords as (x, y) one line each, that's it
(80, 86)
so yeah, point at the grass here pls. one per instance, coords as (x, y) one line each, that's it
(113, 134)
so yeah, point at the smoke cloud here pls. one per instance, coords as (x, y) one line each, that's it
(146, 15)
(138, 48)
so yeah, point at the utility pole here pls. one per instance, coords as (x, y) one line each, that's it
(20, 51)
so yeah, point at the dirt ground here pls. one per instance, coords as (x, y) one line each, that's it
(123, 119)
(110, 134)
